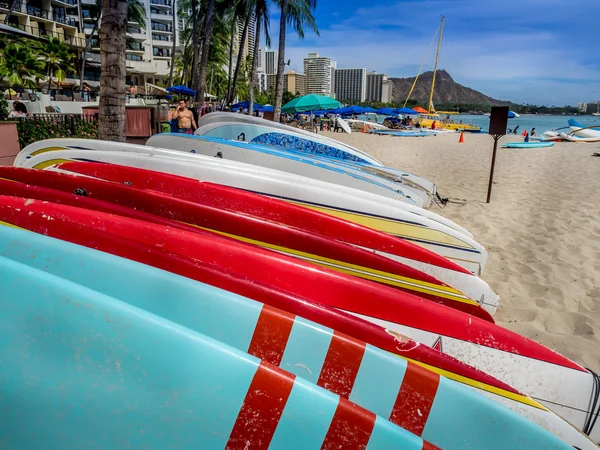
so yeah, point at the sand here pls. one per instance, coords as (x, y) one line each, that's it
(541, 229)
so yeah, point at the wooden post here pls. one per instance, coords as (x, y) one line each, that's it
(496, 138)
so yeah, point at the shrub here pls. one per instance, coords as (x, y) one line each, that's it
(34, 129)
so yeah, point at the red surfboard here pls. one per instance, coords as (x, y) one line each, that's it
(296, 242)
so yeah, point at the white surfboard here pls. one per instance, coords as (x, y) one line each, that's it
(342, 123)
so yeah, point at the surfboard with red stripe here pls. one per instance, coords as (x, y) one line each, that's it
(295, 242)
(415, 398)
(152, 382)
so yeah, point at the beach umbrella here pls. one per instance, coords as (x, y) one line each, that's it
(407, 111)
(419, 110)
(310, 102)
(369, 109)
(386, 111)
(268, 108)
(246, 105)
(181, 90)
(512, 115)
(352, 110)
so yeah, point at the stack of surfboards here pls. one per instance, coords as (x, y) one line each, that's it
(215, 293)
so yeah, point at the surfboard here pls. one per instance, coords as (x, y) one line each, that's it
(275, 236)
(253, 129)
(109, 373)
(351, 373)
(353, 205)
(528, 144)
(265, 208)
(342, 123)
(557, 381)
(297, 164)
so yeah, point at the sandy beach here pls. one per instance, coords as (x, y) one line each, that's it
(541, 228)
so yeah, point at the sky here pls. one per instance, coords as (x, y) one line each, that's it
(543, 52)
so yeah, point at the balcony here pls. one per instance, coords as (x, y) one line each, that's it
(61, 18)
(161, 16)
(73, 41)
(65, 3)
(135, 47)
(161, 28)
(161, 53)
(162, 3)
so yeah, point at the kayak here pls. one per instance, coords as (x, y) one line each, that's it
(265, 208)
(90, 371)
(371, 211)
(558, 382)
(295, 163)
(367, 376)
(574, 138)
(180, 213)
(528, 144)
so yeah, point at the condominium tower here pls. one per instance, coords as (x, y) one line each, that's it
(350, 85)
(379, 88)
(320, 75)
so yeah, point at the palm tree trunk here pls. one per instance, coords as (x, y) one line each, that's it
(186, 66)
(195, 41)
(113, 73)
(49, 79)
(240, 55)
(253, 74)
(174, 48)
(230, 68)
(280, 62)
(88, 44)
(208, 27)
(10, 11)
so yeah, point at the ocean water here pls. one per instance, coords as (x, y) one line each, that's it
(525, 122)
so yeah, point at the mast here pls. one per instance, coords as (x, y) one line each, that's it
(437, 55)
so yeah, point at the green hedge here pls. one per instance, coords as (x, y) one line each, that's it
(33, 129)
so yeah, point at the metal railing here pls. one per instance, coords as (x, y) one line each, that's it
(161, 27)
(38, 32)
(34, 11)
(161, 2)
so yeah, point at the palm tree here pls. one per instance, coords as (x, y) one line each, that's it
(261, 14)
(13, 4)
(297, 13)
(56, 58)
(244, 13)
(174, 48)
(195, 41)
(112, 76)
(19, 66)
(208, 28)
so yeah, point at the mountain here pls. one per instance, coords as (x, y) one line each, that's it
(446, 91)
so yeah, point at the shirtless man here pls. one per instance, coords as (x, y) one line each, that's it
(185, 118)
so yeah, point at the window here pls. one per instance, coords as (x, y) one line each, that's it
(133, 57)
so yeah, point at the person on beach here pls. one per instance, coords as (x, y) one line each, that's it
(185, 118)
(533, 132)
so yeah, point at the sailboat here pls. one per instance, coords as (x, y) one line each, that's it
(427, 120)
(597, 113)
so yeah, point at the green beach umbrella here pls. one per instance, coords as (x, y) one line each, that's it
(310, 102)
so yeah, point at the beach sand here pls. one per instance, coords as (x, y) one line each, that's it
(541, 229)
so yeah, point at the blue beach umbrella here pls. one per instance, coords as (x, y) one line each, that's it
(246, 105)
(369, 109)
(386, 111)
(181, 90)
(405, 111)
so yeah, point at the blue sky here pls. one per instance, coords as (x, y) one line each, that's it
(526, 51)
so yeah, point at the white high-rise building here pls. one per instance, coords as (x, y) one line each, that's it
(149, 47)
(320, 75)
(350, 85)
(379, 88)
